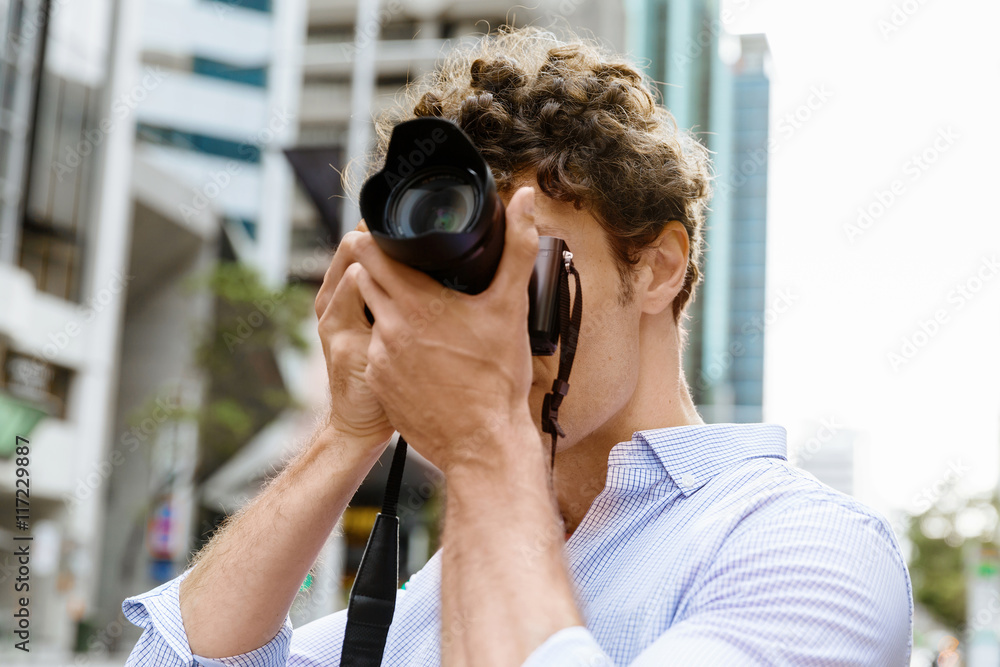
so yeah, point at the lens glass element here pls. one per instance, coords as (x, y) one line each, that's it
(441, 201)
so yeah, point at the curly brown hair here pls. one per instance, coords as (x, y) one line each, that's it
(585, 123)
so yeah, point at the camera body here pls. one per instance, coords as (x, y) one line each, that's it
(434, 206)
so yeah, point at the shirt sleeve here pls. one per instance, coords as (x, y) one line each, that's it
(821, 585)
(315, 644)
(570, 646)
(164, 642)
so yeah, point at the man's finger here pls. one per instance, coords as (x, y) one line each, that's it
(330, 279)
(392, 276)
(374, 296)
(346, 307)
(520, 245)
(342, 258)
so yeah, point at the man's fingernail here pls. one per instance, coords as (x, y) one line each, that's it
(529, 208)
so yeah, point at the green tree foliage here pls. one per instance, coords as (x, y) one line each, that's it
(939, 537)
(938, 577)
(238, 353)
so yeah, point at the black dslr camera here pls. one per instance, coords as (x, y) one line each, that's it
(434, 206)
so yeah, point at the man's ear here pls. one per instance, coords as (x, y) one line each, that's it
(664, 267)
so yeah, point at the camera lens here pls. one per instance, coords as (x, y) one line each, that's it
(434, 205)
(441, 200)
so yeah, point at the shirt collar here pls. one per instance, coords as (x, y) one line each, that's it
(694, 454)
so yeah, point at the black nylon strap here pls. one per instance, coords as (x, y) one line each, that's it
(391, 498)
(569, 325)
(373, 595)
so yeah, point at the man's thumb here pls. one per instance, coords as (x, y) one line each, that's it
(520, 243)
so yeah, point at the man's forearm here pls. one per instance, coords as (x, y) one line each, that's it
(236, 598)
(505, 586)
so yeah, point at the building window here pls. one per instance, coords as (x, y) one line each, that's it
(251, 76)
(245, 224)
(255, 5)
(199, 143)
(57, 217)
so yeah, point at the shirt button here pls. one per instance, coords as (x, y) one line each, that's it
(687, 479)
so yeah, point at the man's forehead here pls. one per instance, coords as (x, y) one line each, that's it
(552, 218)
(557, 218)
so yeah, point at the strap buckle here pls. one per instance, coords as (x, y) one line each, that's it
(550, 407)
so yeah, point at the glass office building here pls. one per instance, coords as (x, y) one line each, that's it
(716, 85)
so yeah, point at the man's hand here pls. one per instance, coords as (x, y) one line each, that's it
(453, 373)
(346, 336)
(448, 368)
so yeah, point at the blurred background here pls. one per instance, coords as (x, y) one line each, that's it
(170, 195)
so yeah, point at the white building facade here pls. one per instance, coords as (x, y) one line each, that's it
(156, 142)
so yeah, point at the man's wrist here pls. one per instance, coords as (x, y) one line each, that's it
(511, 450)
(353, 449)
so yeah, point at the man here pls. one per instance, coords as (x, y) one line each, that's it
(689, 544)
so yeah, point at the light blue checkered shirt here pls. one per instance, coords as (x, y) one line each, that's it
(704, 548)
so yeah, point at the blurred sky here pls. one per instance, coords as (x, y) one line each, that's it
(898, 76)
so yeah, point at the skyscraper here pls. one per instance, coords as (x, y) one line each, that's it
(716, 86)
(748, 317)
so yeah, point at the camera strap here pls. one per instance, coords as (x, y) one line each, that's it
(373, 595)
(569, 325)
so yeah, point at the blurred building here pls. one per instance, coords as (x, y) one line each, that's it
(982, 631)
(64, 206)
(749, 315)
(145, 151)
(832, 456)
(717, 85)
(209, 185)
